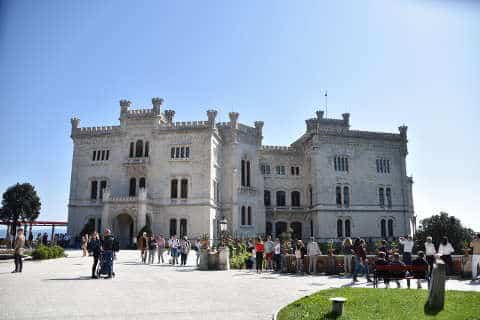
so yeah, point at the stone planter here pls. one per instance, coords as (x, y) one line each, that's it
(213, 260)
(223, 258)
(203, 263)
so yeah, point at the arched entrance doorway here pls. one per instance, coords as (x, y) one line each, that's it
(124, 230)
(280, 227)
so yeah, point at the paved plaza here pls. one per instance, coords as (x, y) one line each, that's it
(62, 288)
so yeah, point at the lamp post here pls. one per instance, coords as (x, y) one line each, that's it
(222, 224)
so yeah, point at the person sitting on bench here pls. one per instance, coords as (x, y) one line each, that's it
(382, 261)
(420, 261)
(396, 262)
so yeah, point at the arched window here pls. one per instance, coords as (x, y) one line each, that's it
(147, 148)
(388, 193)
(280, 227)
(248, 173)
(310, 192)
(267, 201)
(311, 228)
(281, 199)
(132, 148)
(339, 228)
(174, 189)
(94, 190)
(184, 188)
(383, 228)
(268, 228)
(381, 197)
(347, 228)
(249, 216)
(133, 187)
(173, 227)
(346, 196)
(142, 183)
(338, 196)
(243, 216)
(183, 227)
(103, 185)
(295, 199)
(139, 149)
(243, 173)
(297, 230)
(390, 227)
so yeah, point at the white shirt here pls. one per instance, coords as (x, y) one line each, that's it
(312, 249)
(174, 243)
(407, 245)
(429, 249)
(444, 250)
(277, 248)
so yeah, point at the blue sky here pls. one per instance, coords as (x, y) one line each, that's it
(385, 62)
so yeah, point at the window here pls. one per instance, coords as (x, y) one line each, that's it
(265, 169)
(132, 148)
(94, 190)
(242, 163)
(295, 199)
(139, 149)
(184, 189)
(347, 228)
(383, 165)
(108, 155)
(243, 217)
(133, 187)
(183, 227)
(310, 192)
(248, 174)
(267, 201)
(338, 192)
(174, 189)
(295, 171)
(245, 164)
(390, 227)
(180, 152)
(346, 196)
(268, 228)
(383, 228)
(142, 183)
(147, 148)
(100, 155)
(339, 228)
(280, 170)
(296, 230)
(381, 197)
(340, 163)
(103, 155)
(103, 185)
(281, 199)
(388, 193)
(173, 227)
(249, 216)
(94, 154)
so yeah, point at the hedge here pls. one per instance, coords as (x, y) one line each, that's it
(48, 252)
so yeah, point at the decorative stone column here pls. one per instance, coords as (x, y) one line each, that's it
(157, 104)
(211, 114)
(169, 114)
(141, 209)
(258, 131)
(106, 208)
(234, 125)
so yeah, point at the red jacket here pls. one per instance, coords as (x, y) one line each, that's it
(259, 247)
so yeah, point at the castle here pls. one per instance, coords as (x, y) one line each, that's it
(184, 177)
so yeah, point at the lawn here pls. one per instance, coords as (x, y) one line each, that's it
(383, 304)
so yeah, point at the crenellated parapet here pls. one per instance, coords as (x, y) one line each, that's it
(157, 105)
(91, 131)
(211, 114)
(320, 122)
(169, 114)
(278, 148)
(190, 124)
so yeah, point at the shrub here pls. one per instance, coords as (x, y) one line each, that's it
(48, 252)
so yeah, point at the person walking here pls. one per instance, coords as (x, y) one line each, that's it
(30, 238)
(277, 254)
(407, 244)
(198, 247)
(143, 246)
(445, 251)
(269, 253)
(174, 244)
(313, 251)
(475, 245)
(259, 251)
(108, 247)
(430, 253)
(19, 247)
(160, 248)
(84, 245)
(152, 249)
(185, 247)
(347, 247)
(94, 247)
(361, 261)
(300, 252)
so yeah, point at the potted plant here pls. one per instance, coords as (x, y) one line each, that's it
(466, 248)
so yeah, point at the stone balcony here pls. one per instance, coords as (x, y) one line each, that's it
(136, 161)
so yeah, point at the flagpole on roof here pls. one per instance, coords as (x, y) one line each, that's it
(326, 104)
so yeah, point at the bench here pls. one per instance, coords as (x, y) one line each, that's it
(398, 272)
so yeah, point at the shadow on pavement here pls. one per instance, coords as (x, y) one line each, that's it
(67, 279)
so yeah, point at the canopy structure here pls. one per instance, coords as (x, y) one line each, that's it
(36, 223)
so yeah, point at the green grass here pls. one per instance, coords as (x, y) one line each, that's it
(383, 304)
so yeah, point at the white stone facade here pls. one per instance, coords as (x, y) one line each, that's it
(123, 176)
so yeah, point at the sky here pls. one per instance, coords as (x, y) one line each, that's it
(386, 62)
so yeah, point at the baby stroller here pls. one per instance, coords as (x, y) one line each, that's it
(104, 265)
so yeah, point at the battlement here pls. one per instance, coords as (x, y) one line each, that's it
(190, 124)
(141, 113)
(278, 148)
(320, 122)
(92, 131)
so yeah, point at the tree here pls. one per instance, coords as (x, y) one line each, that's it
(20, 203)
(438, 226)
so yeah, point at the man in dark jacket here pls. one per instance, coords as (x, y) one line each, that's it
(94, 247)
(108, 246)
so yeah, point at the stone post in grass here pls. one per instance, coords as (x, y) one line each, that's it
(436, 297)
